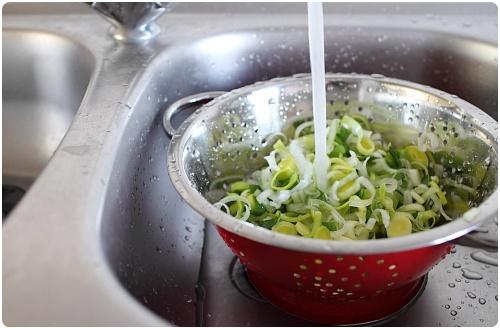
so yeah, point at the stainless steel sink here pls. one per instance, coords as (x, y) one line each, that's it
(45, 77)
(117, 239)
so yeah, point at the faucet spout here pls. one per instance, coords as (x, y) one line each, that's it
(131, 21)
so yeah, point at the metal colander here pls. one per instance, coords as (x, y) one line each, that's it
(230, 135)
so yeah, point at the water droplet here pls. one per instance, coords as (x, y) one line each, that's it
(456, 265)
(447, 306)
(382, 38)
(482, 301)
(453, 312)
(188, 299)
(484, 258)
(469, 274)
(451, 285)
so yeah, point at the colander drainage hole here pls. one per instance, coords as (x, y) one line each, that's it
(239, 279)
(11, 196)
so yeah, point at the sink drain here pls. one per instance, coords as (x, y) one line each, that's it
(239, 279)
(11, 196)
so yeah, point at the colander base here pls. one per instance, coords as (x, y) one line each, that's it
(359, 312)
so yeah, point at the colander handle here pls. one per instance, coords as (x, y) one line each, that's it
(180, 104)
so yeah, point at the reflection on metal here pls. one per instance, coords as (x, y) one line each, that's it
(132, 21)
(43, 88)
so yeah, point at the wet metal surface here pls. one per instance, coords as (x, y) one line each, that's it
(45, 78)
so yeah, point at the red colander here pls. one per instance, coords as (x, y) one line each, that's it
(335, 289)
(329, 282)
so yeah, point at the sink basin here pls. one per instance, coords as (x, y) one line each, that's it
(45, 77)
(115, 244)
(160, 249)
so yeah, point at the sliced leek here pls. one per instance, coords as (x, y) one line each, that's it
(374, 190)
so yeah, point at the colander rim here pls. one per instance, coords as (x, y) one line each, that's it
(435, 236)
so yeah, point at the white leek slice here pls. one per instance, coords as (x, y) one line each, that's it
(301, 127)
(413, 176)
(246, 215)
(371, 223)
(417, 197)
(232, 198)
(390, 184)
(271, 160)
(352, 125)
(303, 165)
(379, 165)
(355, 201)
(386, 219)
(262, 197)
(332, 132)
(411, 208)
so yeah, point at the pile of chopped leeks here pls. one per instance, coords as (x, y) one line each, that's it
(374, 190)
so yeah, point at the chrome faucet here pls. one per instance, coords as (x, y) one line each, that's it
(131, 21)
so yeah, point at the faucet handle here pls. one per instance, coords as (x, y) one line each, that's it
(132, 21)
